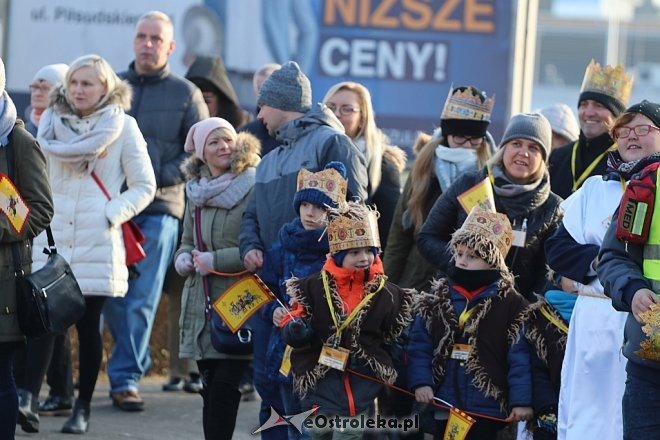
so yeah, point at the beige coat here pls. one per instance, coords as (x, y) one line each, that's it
(219, 229)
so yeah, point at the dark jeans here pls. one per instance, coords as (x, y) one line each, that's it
(8, 397)
(641, 407)
(221, 378)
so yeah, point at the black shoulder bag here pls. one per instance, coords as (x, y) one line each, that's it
(49, 300)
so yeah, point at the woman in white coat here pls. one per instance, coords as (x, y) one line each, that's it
(85, 131)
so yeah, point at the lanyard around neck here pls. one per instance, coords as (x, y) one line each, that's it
(587, 172)
(340, 328)
(557, 323)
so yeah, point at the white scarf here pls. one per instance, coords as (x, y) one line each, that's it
(452, 162)
(58, 137)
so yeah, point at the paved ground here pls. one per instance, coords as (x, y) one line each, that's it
(167, 416)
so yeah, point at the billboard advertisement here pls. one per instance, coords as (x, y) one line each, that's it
(407, 52)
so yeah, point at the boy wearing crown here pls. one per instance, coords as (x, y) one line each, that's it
(344, 319)
(466, 345)
(300, 251)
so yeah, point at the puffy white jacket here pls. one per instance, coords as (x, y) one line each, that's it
(86, 226)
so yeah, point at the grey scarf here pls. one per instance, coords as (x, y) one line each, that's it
(216, 193)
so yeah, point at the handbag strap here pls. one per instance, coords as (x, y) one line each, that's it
(200, 247)
(99, 182)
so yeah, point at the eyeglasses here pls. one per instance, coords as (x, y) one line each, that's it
(36, 88)
(640, 130)
(461, 140)
(344, 110)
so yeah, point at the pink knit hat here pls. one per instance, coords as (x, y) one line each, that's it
(200, 131)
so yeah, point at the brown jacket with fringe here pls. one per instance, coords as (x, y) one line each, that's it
(379, 323)
(484, 332)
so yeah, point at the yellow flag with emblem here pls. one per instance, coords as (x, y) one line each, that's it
(480, 195)
(13, 205)
(242, 300)
(458, 425)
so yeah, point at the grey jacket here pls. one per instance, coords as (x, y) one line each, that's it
(165, 107)
(310, 142)
(620, 272)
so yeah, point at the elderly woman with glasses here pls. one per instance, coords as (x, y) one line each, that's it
(593, 377)
(351, 103)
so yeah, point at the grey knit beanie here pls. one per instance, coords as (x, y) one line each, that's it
(531, 126)
(287, 89)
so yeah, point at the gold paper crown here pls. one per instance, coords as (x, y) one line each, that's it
(329, 181)
(355, 226)
(482, 226)
(608, 80)
(464, 104)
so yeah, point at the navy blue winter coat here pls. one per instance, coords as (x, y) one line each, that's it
(453, 382)
(298, 253)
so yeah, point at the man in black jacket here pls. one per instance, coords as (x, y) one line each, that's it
(165, 107)
(604, 94)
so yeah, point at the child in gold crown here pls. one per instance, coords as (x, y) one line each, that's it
(344, 318)
(465, 345)
(300, 251)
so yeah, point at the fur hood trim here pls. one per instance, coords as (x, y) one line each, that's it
(396, 156)
(245, 155)
(120, 96)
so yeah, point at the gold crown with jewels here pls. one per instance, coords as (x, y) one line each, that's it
(353, 226)
(608, 80)
(329, 181)
(465, 104)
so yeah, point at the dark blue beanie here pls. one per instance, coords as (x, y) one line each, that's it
(316, 196)
(339, 256)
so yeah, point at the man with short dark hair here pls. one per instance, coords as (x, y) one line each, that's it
(165, 107)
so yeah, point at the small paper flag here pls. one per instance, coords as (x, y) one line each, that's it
(13, 205)
(458, 425)
(480, 195)
(242, 300)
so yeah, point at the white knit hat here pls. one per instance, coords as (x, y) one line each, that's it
(53, 73)
(562, 120)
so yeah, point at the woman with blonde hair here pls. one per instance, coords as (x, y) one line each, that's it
(351, 103)
(518, 173)
(461, 144)
(90, 143)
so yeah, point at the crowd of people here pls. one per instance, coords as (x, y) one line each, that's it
(499, 279)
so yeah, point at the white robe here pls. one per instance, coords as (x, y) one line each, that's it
(593, 372)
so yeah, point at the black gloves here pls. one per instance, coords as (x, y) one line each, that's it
(297, 333)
